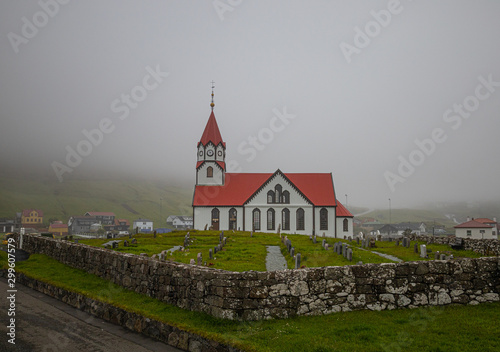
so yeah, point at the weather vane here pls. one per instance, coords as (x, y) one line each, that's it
(212, 103)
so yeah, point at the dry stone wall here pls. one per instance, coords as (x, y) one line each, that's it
(484, 247)
(287, 293)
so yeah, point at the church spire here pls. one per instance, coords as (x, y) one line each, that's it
(212, 103)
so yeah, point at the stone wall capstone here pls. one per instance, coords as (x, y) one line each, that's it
(281, 294)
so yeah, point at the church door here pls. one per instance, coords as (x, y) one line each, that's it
(215, 219)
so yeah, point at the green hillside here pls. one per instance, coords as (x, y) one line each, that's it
(129, 199)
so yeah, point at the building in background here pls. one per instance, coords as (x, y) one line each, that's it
(142, 225)
(180, 222)
(32, 218)
(481, 228)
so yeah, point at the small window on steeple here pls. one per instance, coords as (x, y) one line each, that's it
(210, 172)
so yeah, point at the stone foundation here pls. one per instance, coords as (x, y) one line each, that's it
(287, 293)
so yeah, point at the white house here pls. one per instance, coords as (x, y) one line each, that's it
(143, 225)
(477, 229)
(180, 222)
(300, 203)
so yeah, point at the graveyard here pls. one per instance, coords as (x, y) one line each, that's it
(244, 251)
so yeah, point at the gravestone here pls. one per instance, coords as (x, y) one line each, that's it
(436, 255)
(292, 252)
(215, 250)
(311, 237)
(357, 240)
(350, 239)
(115, 245)
(125, 243)
(134, 241)
(162, 255)
(326, 246)
(210, 254)
(314, 239)
(397, 243)
(192, 262)
(349, 254)
(76, 241)
(442, 256)
(221, 236)
(199, 258)
(154, 234)
(297, 261)
(415, 247)
(344, 250)
(224, 240)
(423, 251)
(323, 243)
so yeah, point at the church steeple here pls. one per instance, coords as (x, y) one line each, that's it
(211, 165)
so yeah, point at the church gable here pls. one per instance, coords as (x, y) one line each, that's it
(278, 190)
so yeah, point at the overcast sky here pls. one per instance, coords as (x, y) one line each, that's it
(346, 87)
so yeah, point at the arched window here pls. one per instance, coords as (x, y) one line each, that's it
(232, 219)
(256, 219)
(270, 219)
(215, 219)
(285, 219)
(277, 190)
(210, 172)
(346, 225)
(300, 219)
(270, 197)
(285, 198)
(323, 219)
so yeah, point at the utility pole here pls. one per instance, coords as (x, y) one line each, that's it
(390, 219)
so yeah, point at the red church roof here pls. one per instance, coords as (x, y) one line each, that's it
(342, 211)
(211, 133)
(238, 188)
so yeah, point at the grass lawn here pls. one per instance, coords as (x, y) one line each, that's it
(450, 328)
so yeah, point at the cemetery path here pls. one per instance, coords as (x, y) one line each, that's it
(46, 324)
(386, 256)
(275, 260)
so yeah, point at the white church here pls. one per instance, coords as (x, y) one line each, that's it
(294, 203)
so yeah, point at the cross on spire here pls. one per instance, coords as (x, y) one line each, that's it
(212, 103)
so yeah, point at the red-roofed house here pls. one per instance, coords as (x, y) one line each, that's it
(302, 203)
(58, 228)
(477, 229)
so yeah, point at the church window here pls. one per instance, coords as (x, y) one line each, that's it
(270, 219)
(286, 197)
(346, 225)
(277, 190)
(210, 172)
(300, 219)
(285, 219)
(270, 197)
(232, 219)
(323, 219)
(256, 219)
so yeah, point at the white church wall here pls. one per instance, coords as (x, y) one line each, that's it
(203, 216)
(278, 218)
(330, 232)
(202, 174)
(340, 228)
